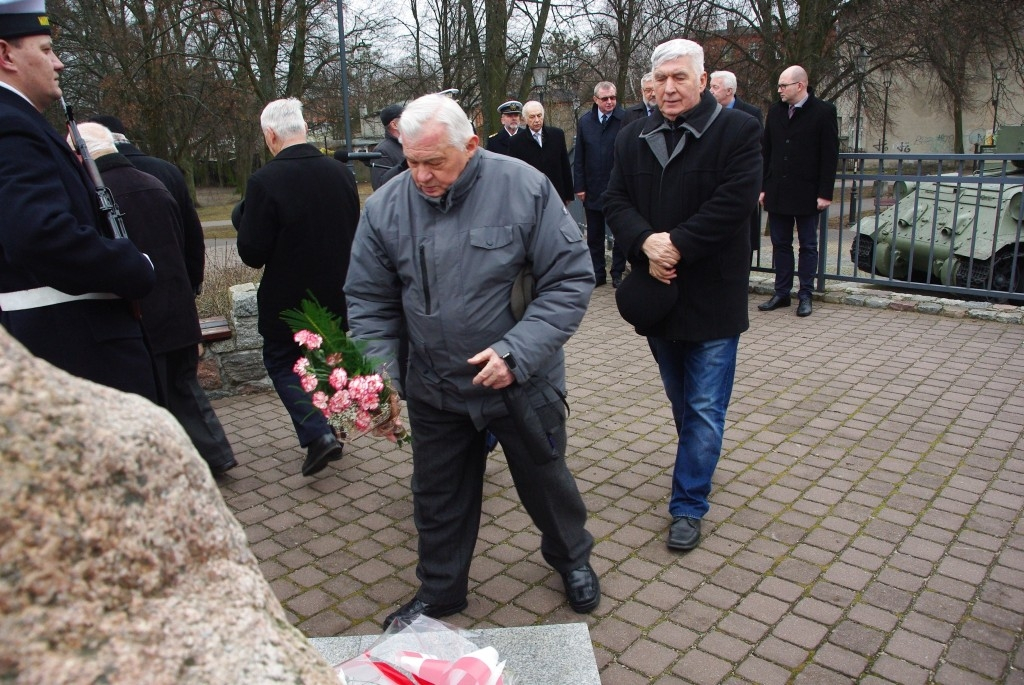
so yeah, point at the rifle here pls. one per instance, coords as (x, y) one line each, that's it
(107, 205)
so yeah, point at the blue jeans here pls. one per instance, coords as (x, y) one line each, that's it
(698, 380)
(780, 226)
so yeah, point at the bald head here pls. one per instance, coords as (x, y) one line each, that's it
(793, 85)
(795, 73)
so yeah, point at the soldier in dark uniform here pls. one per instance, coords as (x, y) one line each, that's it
(65, 282)
(511, 116)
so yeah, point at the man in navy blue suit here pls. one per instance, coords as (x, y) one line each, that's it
(65, 281)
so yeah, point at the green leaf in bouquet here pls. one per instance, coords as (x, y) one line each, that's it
(312, 316)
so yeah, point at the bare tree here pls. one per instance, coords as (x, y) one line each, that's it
(959, 46)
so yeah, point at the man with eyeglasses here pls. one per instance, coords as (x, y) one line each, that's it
(647, 106)
(592, 164)
(801, 150)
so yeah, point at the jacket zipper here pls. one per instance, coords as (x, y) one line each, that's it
(423, 275)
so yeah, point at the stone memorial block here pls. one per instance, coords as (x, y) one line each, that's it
(119, 561)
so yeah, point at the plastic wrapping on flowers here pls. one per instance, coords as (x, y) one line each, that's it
(426, 652)
(342, 382)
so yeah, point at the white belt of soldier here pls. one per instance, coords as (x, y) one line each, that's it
(44, 297)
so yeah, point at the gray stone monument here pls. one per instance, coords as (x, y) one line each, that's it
(119, 561)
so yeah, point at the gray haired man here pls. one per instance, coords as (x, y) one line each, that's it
(436, 252)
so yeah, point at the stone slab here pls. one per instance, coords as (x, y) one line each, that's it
(560, 654)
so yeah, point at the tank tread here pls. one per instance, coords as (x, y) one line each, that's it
(862, 252)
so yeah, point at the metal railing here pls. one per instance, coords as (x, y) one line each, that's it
(945, 224)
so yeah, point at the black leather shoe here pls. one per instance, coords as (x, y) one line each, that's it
(774, 303)
(322, 450)
(583, 589)
(600, 282)
(414, 607)
(804, 308)
(221, 469)
(684, 533)
(616, 281)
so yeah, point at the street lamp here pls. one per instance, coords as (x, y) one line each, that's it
(887, 83)
(344, 82)
(860, 62)
(540, 76)
(1000, 76)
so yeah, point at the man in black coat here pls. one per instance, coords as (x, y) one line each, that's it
(297, 220)
(392, 161)
(686, 238)
(591, 166)
(723, 87)
(511, 114)
(174, 181)
(543, 148)
(65, 281)
(801, 150)
(169, 318)
(647, 106)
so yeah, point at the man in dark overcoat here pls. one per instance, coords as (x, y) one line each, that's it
(169, 318)
(297, 221)
(65, 281)
(686, 238)
(392, 161)
(801, 150)
(647, 105)
(174, 180)
(591, 166)
(723, 87)
(543, 148)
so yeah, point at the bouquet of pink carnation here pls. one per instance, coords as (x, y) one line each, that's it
(342, 382)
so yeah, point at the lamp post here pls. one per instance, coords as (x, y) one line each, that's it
(887, 83)
(540, 76)
(344, 82)
(1000, 76)
(860, 62)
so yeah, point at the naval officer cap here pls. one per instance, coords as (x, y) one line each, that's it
(23, 18)
(511, 107)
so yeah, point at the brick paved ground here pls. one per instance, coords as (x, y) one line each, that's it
(865, 523)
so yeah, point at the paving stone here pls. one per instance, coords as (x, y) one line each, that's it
(865, 522)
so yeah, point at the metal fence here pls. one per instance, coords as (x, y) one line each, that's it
(944, 224)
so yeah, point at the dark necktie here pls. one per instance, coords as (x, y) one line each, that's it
(792, 108)
(604, 119)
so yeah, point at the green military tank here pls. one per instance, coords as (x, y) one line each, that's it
(963, 234)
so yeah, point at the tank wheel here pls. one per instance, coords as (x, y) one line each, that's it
(1007, 277)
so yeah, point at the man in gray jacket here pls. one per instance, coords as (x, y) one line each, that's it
(433, 249)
